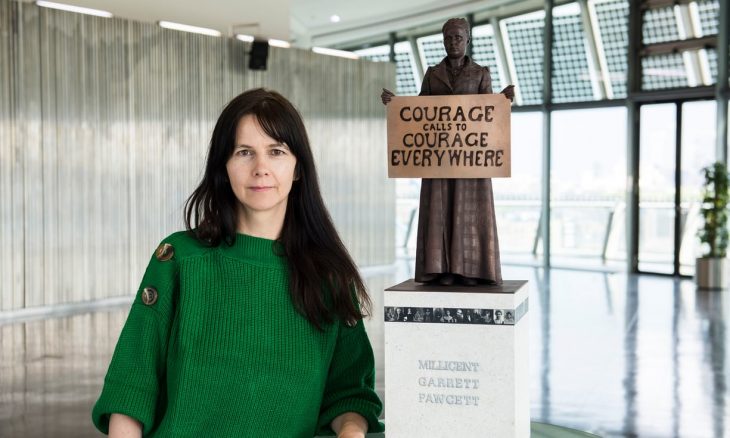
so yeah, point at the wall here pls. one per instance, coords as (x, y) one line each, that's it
(104, 125)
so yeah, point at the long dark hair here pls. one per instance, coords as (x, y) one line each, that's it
(324, 282)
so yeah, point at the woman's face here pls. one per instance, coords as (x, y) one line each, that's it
(261, 170)
(455, 41)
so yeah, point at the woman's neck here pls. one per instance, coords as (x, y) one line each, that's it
(267, 225)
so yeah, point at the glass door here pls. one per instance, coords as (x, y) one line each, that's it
(657, 174)
(698, 151)
(670, 183)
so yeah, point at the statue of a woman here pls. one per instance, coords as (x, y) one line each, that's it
(457, 229)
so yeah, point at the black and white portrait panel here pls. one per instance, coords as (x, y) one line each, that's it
(449, 316)
(454, 315)
(509, 317)
(487, 316)
(498, 316)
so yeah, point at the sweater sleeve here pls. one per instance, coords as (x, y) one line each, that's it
(136, 374)
(350, 383)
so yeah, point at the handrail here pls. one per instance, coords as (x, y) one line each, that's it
(611, 207)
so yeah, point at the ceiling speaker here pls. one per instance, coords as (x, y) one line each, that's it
(259, 55)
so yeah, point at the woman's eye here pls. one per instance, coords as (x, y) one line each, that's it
(243, 152)
(277, 152)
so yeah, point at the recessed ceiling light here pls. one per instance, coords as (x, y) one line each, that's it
(79, 9)
(334, 52)
(279, 43)
(245, 38)
(188, 28)
(335, 18)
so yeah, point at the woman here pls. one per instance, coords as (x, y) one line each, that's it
(448, 317)
(198, 355)
(418, 317)
(498, 317)
(457, 229)
(390, 314)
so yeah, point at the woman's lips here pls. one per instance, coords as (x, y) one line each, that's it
(260, 188)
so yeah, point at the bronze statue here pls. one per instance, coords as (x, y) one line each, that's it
(457, 229)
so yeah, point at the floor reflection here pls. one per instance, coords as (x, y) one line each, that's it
(615, 355)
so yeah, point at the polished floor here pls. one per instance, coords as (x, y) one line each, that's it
(611, 354)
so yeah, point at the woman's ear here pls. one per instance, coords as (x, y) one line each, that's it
(297, 172)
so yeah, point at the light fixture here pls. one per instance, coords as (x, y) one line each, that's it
(279, 43)
(334, 52)
(244, 38)
(335, 18)
(188, 28)
(79, 9)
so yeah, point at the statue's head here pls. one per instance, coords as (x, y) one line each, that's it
(456, 37)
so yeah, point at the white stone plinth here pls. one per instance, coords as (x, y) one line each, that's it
(466, 378)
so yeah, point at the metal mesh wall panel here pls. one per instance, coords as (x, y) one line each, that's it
(712, 62)
(484, 50)
(663, 71)
(659, 25)
(525, 38)
(613, 26)
(405, 70)
(375, 54)
(432, 49)
(571, 76)
(709, 18)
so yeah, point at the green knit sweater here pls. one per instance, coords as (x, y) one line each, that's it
(222, 351)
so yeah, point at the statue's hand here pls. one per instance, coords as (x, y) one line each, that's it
(509, 92)
(386, 95)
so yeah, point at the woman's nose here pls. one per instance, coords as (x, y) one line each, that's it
(260, 168)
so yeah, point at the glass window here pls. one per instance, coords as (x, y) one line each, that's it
(588, 187)
(407, 193)
(704, 18)
(517, 199)
(708, 58)
(407, 84)
(377, 54)
(484, 52)
(613, 27)
(663, 71)
(523, 40)
(660, 25)
(405, 71)
(656, 188)
(708, 12)
(431, 49)
(698, 151)
(572, 77)
(407, 190)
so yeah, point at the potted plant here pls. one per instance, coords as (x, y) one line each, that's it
(712, 268)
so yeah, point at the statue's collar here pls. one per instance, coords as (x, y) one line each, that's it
(468, 63)
(441, 69)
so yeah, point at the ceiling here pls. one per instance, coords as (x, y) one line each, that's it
(306, 23)
(310, 19)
